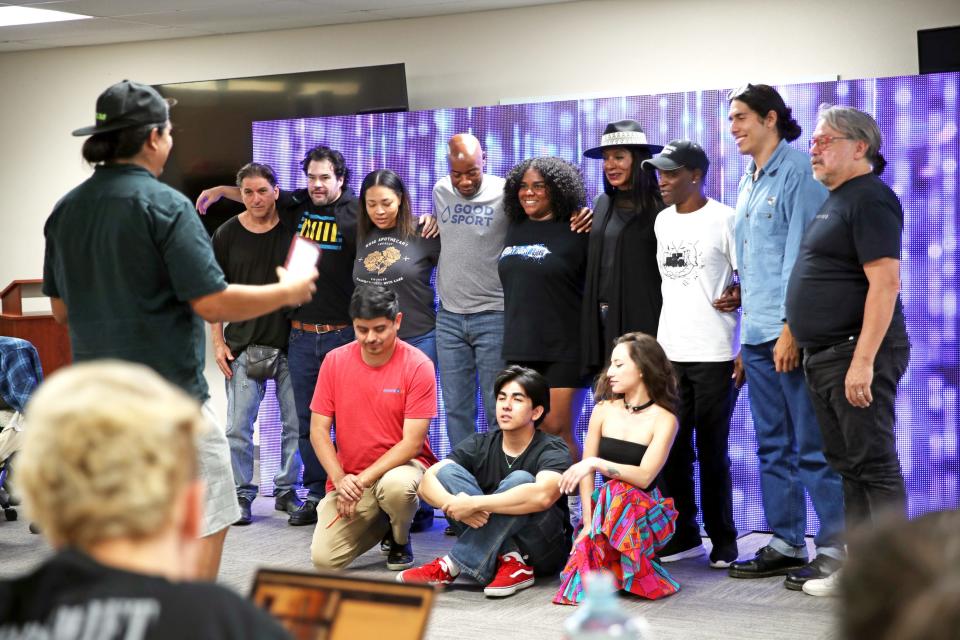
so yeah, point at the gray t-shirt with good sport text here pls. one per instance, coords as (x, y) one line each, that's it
(472, 231)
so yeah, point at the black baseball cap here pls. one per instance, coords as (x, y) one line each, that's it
(128, 104)
(680, 153)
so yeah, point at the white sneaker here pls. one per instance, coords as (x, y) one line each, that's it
(683, 554)
(829, 586)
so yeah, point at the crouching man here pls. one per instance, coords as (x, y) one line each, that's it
(379, 394)
(501, 489)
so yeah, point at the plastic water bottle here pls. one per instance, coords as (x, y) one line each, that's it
(599, 616)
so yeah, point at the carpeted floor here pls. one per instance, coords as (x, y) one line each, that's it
(709, 605)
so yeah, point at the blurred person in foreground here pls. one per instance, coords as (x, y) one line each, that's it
(109, 472)
(923, 601)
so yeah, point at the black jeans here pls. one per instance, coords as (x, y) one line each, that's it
(707, 397)
(860, 443)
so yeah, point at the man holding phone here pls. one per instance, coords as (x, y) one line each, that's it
(129, 269)
(248, 247)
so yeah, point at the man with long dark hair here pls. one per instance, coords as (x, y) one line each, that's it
(776, 200)
(130, 269)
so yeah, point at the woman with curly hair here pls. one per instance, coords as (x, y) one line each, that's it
(542, 268)
(392, 253)
(630, 434)
(622, 289)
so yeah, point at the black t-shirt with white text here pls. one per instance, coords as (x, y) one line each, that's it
(482, 455)
(542, 268)
(73, 597)
(252, 258)
(861, 221)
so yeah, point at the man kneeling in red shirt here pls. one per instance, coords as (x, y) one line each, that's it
(379, 394)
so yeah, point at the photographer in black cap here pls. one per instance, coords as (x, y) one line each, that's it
(130, 270)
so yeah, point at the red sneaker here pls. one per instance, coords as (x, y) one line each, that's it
(435, 572)
(512, 576)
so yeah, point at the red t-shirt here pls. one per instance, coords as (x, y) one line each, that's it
(369, 404)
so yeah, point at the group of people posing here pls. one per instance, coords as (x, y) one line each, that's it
(530, 279)
(662, 296)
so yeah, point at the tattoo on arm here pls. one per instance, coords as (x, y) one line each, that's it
(612, 472)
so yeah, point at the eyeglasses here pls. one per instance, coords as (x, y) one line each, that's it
(825, 141)
(734, 94)
(536, 187)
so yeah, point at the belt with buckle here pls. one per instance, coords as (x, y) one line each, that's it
(316, 328)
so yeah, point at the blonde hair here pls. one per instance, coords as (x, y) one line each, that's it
(108, 446)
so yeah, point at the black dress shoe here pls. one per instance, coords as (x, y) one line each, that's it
(306, 514)
(287, 501)
(768, 562)
(400, 556)
(422, 519)
(820, 567)
(246, 516)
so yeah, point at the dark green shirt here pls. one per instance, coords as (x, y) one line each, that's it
(127, 253)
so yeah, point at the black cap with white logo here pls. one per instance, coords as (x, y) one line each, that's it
(128, 104)
(680, 153)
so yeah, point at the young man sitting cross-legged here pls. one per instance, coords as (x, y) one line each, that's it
(501, 490)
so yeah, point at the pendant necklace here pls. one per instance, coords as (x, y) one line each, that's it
(636, 408)
(510, 462)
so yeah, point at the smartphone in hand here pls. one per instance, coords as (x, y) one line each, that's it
(302, 257)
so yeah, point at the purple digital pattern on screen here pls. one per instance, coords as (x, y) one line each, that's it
(918, 116)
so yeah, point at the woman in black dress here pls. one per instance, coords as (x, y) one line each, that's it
(622, 288)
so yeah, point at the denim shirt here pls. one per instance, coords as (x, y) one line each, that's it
(773, 212)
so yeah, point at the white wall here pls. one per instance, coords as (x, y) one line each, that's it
(608, 47)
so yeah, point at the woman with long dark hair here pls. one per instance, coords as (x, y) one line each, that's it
(622, 289)
(631, 431)
(391, 252)
(542, 268)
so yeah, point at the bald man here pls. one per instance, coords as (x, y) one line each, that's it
(467, 205)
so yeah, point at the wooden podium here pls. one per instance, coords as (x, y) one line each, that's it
(49, 337)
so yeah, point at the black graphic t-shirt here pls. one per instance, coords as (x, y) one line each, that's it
(542, 268)
(404, 265)
(334, 228)
(73, 597)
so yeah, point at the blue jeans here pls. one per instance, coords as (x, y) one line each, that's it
(470, 348)
(243, 403)
(790, 449)
(539, 537)
(305, 353)
(427, 343)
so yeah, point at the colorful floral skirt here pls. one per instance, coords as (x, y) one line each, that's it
(629, 526)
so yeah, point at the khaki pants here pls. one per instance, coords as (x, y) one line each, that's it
(391, 502)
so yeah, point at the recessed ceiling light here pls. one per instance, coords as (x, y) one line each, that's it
(11, 16)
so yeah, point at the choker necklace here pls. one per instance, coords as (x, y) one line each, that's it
(636, 408)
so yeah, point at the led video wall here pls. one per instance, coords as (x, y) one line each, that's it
(918, 116)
